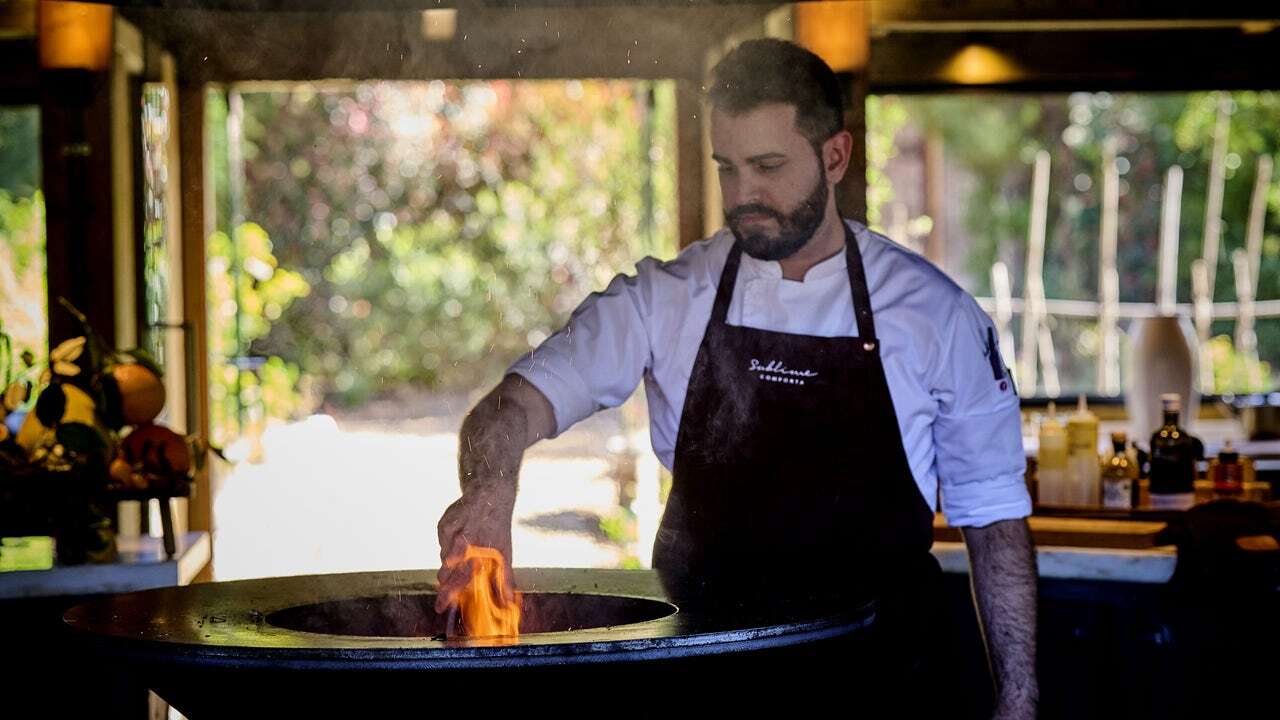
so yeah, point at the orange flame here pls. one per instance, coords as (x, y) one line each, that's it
(486, 608)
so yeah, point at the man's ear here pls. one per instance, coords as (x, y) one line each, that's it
(836, 152)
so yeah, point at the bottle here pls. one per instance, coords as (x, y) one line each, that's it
(1051, 461)
(1119, 476)
(1082, 456)
(1173, 460)
(1227, 473)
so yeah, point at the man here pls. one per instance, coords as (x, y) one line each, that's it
(809, 382)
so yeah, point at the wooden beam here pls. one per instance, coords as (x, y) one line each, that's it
(488, 43)
(191, 144)
(332, 6)
(75, 140)
(851, 193)
(20, 79)
(689, 161)
(978, 15)
(1076, 61)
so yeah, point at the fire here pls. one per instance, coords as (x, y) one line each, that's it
(485, 608)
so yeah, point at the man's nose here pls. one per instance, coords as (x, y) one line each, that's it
(751, 190)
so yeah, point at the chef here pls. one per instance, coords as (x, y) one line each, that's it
(810, 384)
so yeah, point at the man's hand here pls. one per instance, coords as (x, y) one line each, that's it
(491, 446)
(1003, 569)
(481, 518)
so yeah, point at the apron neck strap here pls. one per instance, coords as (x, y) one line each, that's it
(728, 278)
(857, 285)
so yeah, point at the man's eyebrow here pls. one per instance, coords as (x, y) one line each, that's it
(754, 158)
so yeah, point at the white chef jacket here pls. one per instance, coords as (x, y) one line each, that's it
(960, 424)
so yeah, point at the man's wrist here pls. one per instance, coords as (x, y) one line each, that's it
(493, 494)
(1026, 692)
(1020, 704)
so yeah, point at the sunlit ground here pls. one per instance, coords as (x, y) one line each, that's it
(330, 497)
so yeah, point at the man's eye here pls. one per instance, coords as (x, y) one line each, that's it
(769, 168)
(725, 169)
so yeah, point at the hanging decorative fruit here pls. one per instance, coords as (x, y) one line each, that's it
(141, 391)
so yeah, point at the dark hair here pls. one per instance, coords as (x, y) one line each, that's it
(775, 71)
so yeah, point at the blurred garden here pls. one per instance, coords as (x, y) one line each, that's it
(380, 238)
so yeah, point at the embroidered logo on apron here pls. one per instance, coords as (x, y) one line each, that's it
(775, 371)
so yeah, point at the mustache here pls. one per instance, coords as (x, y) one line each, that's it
(736, 214)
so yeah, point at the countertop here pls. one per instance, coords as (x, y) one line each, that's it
(1079, 549)
(142, 565)
(1135, 565)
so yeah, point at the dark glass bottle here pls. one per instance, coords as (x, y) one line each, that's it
(1173, 460)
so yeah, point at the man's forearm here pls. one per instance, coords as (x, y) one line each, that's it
(491, 445)
(493, 438)
(1003, 566)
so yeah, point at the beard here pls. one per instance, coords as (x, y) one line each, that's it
(795, 229)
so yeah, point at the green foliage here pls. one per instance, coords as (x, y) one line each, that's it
(886, 116)
(619, 526)
(631, 562)
(445, 228)
(264, 292)
(23, 283)
(20, 150)
(1234, 372)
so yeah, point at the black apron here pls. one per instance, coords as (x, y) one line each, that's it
(790, 473)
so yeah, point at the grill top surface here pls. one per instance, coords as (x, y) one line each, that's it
(263, 622)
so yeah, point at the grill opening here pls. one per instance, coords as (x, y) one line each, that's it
(414, 615)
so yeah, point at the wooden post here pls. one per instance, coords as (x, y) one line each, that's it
(840, 34)
(75, 136)
(935, 202)
(1257, 218)
(1167, 278)
(1202, 311)
(899, 226)
(1033, 340)
(1213, 204)
(191, 150)
(1246, 337)
(1109, 277)
(851, 193)
(689, 162)
(1001, 289)
(1212, 238)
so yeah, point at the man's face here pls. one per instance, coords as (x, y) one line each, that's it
(775, 193)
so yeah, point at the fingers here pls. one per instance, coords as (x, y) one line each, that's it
(450, 583)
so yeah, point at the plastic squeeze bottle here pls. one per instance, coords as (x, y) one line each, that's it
(1082, 456)
(1051, 461)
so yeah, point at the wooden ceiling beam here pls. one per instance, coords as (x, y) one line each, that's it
(488, 43)
(1039, 15)
(1174, 60)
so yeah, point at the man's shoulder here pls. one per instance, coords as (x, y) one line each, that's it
(695, 262)
(895, 270)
